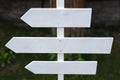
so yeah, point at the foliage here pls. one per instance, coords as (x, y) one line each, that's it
(74, 57)
(69, 57)
(6, 58)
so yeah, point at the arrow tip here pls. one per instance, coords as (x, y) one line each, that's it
(26, 17)
(30, 67)
(10, 44)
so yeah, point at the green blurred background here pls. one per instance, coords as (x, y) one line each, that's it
(105, 23)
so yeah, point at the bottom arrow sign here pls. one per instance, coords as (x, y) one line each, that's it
(67, 67)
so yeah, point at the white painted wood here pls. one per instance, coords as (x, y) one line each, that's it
(47, 17)
(60, 45)
(60, 4)
(60, 76)
(66, 67)
(60, 34)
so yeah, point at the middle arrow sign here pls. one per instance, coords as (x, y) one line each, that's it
(60, 45)
(37, 17)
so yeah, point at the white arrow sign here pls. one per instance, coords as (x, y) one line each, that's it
(66, 67)
(60, 45)
(37, 17)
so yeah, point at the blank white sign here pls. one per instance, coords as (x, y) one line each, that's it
(60, 45)
(47, 17)
(66, 67)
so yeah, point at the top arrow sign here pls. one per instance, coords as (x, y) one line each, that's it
(37, 17)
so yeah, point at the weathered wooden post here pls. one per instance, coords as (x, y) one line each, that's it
(60, 17)
(74, 32)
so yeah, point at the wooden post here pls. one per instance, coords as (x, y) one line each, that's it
(53, 5)
(76, 32)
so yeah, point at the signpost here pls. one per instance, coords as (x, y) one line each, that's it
(60, 18)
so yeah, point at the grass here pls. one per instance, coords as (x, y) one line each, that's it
(108, 67)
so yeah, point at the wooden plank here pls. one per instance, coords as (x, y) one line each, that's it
(37, 17)
(60, 45)
(66, 67)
